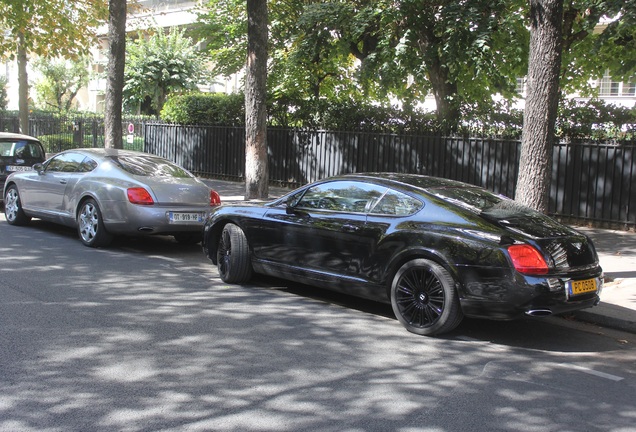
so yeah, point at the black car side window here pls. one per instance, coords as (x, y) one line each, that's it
(396, 203)
(341, 196)
(35, 151)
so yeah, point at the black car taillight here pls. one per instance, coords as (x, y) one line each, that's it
(527, 259)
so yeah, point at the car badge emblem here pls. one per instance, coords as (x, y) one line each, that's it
(184, 189)
(578, 246)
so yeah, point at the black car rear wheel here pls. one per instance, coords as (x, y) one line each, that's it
(424, 298)
(13, 207)
(90, 225)
(233, 256)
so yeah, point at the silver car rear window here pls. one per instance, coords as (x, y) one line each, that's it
(149, 166)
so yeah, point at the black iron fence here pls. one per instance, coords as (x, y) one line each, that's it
(590, 181)
(61, 132)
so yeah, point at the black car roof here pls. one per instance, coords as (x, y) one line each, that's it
(15, 136)
(416, 180)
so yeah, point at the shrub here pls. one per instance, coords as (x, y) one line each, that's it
(205, 108)
(349, 115)
(596, 120)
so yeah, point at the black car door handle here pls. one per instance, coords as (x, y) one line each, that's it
(350, 228)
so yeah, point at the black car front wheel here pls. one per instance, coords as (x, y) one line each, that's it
(233, 256)
(424, 298)
(90, 225)
(13, 207)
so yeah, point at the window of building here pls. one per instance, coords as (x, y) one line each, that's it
(520, 89)
(608, 87)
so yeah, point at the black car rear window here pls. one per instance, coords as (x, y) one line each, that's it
(21, 149)
(149, 166)
(481, 201)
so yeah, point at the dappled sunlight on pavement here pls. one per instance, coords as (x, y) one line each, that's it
(168, 346)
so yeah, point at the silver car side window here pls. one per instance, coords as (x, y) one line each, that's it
(65, 162)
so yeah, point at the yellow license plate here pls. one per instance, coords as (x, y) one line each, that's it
(583, 286)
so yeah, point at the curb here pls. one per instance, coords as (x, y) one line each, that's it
(606, 320)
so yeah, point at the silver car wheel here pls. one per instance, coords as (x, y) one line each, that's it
(88, 222)
(11, 205)
(90, 225)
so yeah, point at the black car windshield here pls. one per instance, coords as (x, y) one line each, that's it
(482, 202)
(149, 166)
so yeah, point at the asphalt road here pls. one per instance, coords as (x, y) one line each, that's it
(143, 336)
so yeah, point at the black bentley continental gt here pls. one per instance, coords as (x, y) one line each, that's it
(436, 249)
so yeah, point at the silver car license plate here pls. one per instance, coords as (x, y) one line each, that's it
(185, 217)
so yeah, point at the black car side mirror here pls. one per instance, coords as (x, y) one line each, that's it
(290, 205)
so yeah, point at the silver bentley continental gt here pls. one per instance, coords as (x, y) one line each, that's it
(109, 192)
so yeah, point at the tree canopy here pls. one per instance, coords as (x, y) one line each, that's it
(60, 81)
(463, 53)
(48, 28)
(598, 37)
(160, 63)
(51, 28)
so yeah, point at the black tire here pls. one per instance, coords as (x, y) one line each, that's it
(424, 298)
(233, 255)
(188, 238)
(90, 225)
(13, 207)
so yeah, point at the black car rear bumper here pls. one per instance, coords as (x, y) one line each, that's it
(514, 295)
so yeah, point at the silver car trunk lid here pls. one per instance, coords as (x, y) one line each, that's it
(179, 191)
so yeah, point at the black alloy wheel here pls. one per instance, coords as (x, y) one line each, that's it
(233, 255)
(424, 298)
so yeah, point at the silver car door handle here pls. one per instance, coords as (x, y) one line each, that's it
(63, 181)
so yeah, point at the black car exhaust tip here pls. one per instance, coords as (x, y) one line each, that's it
(539, 312)
(146, 229)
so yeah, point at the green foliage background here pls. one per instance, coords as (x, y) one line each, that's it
(158, 64)
(593, 119)
(4, 101)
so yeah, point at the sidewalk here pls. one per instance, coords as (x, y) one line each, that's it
(616, 250)
(617, 254)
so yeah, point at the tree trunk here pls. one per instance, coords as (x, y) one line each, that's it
(23, 86)
(537, 141)
(113, 133)
(256, 170)
(445, 93)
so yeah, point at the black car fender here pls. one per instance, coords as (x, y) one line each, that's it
(455, 254)
(211, 235)
(213, 228)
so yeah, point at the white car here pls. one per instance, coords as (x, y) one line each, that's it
(109, 192)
